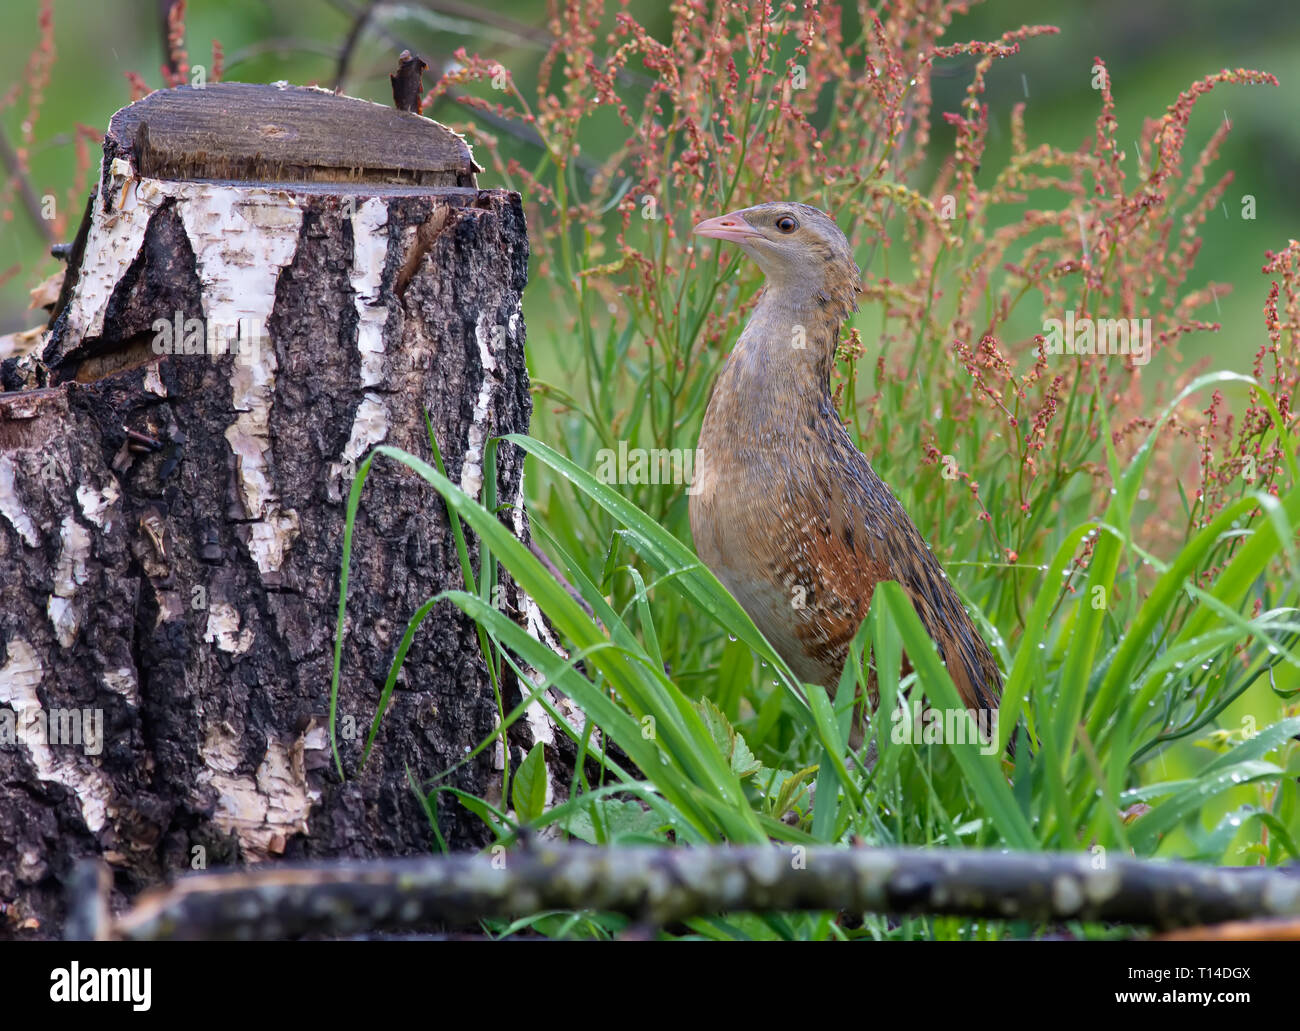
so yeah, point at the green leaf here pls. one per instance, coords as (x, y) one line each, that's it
(1213, 848)
(1148, 830)
(529, 791)
(730, 743)
(623, 821)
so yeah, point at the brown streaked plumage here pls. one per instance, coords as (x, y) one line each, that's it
(784, 509)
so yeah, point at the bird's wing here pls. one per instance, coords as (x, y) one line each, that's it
(971, 665)
(870, 537)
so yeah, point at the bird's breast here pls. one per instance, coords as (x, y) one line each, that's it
(782, 540)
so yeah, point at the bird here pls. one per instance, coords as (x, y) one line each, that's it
(784, 509)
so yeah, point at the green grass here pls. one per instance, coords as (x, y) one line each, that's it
(730, 758)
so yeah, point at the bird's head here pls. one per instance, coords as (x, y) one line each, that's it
(795, 245)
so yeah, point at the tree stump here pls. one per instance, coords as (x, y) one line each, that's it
(269, 281)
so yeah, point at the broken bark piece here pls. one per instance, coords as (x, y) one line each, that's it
(228, 345)
(408, 82)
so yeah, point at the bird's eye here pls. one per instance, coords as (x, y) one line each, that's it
(786, 224)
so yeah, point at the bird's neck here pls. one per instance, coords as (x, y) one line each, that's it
(780, 369)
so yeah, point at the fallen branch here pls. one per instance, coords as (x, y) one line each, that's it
(663, 885)
(1284, 929)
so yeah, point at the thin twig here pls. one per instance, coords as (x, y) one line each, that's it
(31, 203)
(358, 26)
(545, 560)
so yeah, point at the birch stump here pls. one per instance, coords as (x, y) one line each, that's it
(268, 282)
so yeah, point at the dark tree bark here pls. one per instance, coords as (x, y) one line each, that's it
(322, 270)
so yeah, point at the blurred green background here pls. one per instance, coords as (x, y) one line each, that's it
(1153, 48)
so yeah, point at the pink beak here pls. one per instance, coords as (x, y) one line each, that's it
(728, 227)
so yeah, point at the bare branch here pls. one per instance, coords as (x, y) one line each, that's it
(670, 884)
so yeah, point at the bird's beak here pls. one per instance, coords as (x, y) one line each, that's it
(731, 227)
